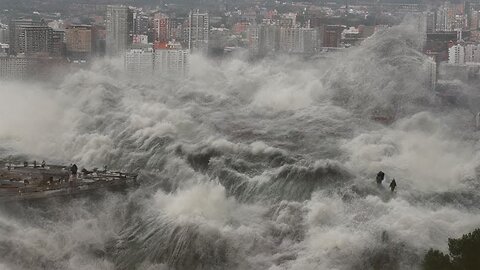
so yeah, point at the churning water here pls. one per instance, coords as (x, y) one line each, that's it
(265, 165)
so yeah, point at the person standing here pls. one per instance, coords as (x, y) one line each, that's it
(380, 177)
(73, 176)
(74, 169)
(393, 185)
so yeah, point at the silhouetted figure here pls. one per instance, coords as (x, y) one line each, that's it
(74, 169)
(393, 185)
(34, 164)
(44, 164)
(25, 164)
(384, 236)
(380, 177)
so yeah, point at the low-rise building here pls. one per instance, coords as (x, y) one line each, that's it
(13, 67)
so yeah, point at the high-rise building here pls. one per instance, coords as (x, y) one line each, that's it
(139, 62)
(474, 20)
(119, 30)
(58, 43)
(35, 40)
(167, 60)
(162, 27)
(15, 28)
(430, 18)
(456, 55)
(140, 23)
(298, 40)
(332, 35)
(171, 61)
(431, 80)
(198, 30)
(253, 34)
(4, 35)
(263, 39)
(269, 39)
(79, 41)
(472, 53)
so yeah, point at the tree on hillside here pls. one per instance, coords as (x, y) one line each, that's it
(464, 254)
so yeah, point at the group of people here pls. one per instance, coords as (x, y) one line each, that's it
(25, 164)
(381, 177)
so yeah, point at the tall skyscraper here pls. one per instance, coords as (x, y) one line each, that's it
(198, 30)
(119, 30)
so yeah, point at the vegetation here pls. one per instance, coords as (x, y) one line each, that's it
(464, 254)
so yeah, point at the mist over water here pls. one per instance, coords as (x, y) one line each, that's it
(265, 165)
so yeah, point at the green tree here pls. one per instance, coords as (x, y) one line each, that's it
(436, 260)
(464, 254)
(465, 251)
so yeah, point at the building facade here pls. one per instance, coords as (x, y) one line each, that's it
(16, 28)
(79, 41)
(4, 35)
(119, 30)
(12, 67)
(198, 31)
(456, 55)
(171, 62)
(168, 61)
(36, 40)
(298, 40)
(139, 62)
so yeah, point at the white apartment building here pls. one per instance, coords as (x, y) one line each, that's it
(456, 55)
(169, 62)
(298, 40)
(139, 62)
